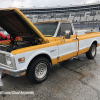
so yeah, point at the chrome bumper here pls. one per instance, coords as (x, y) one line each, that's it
(11, 70)
(15, 73)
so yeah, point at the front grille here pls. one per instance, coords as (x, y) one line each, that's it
(3, 59)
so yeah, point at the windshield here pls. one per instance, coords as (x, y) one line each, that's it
(47, 29)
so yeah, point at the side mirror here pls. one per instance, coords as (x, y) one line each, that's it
(67, 34)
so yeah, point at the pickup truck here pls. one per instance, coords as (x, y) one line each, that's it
(40, 45)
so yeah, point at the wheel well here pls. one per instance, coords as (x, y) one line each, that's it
(40, 55)
(95, 42)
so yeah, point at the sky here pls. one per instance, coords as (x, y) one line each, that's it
(42, 3)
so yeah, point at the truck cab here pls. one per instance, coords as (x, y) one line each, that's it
(56, 30)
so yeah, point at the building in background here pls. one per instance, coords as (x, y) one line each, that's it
(86, 16)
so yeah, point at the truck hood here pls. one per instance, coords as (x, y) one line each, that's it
(17, 24)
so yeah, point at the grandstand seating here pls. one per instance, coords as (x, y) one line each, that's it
(52, 18)
(88, 16)
(34, 20)
(77, 19)
(71, 18)
(97, 17)
(39, 20)
(65, 18)
(85, 16)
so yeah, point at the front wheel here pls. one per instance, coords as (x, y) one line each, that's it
(38, 70)
(92, 52)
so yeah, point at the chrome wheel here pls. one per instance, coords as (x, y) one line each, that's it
(38, 70)
(41, 70)
(93, 51)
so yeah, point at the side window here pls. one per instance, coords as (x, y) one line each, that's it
(63, 27)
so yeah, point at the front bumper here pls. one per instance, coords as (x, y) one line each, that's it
(12, 72)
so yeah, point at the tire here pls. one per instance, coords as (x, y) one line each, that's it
(38, 70)
(92, 52)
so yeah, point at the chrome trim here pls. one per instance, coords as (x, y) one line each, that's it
(12, 72)
(41, 70)
(57, 29)
(6, 66)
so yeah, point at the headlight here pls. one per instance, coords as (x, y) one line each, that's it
(8, 59)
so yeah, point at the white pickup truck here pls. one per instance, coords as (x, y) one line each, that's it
(40, 45)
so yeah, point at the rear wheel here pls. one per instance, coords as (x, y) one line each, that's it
(92, 52)
(38, 70)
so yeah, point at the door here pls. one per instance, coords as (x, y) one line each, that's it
(67, 47)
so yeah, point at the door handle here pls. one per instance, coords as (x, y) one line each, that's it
(74, 39)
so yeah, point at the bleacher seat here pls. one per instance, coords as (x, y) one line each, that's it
(76, 18)
(58, 18)
(90, 18)
(52, 19)
(65, 18)
(83, 18)
(71, 18)
(97, 17)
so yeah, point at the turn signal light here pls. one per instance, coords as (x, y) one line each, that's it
(23, 74)
(21, 59)
(5, 71)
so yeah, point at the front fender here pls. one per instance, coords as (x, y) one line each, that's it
(32, 54)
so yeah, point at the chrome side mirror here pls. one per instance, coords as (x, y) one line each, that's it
(67, 34)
